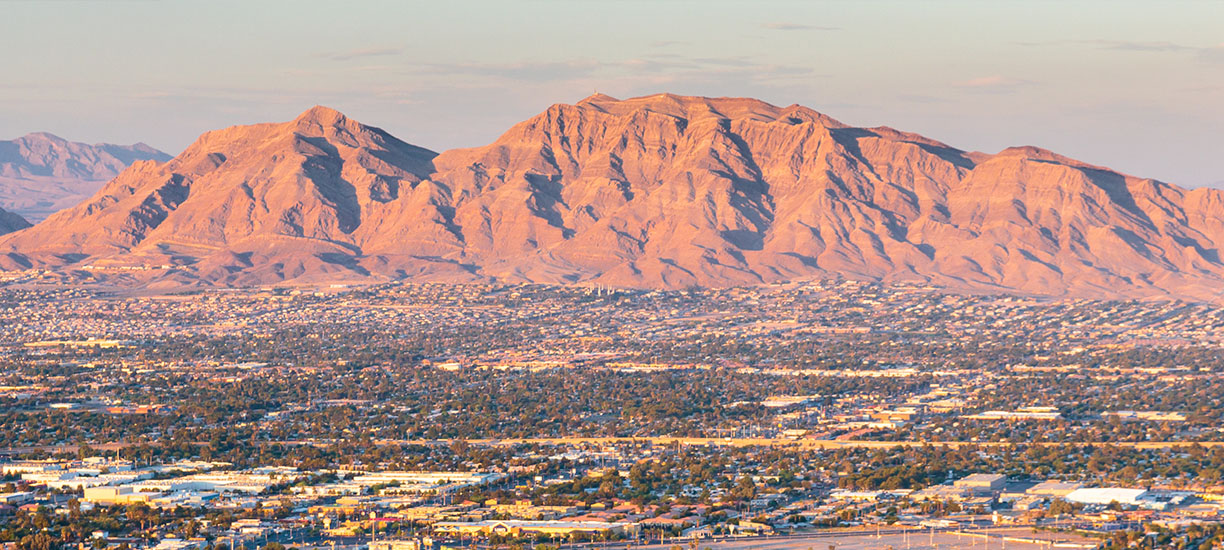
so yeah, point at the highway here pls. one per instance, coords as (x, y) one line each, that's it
(668, 440)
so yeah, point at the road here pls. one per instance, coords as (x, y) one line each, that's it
(667, 440)
(950, 538)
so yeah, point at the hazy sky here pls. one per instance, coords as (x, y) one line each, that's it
(1137, 86)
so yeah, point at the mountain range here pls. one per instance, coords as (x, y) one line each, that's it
(10, 222)
(661, 191)
(41, 173)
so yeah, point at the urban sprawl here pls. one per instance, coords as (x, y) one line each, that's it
(829, 414)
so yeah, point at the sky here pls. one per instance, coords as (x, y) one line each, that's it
(1137, 86)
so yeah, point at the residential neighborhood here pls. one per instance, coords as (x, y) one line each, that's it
(421, 416)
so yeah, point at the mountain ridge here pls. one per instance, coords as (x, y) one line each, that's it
(657, 191)
(10, 222)
(41, 173)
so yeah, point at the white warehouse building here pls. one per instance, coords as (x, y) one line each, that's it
(1107, 495)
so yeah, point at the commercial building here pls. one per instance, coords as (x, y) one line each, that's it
(1053, 488)
(982, 483)
(521, 527)
(16, 499)
(1107, 495)
(118, 495)
(434, 483)
(403, 544)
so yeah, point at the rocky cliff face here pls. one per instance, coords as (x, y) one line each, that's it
(659, 191)
(246, 204)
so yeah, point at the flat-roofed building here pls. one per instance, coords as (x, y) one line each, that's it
(17, 498)
(118, 495)
(181, 544)
(403, 544)
(436, 483)
(518, 527)
(1053, 488)
(28, 466)
(982, 483)
(1107, 495)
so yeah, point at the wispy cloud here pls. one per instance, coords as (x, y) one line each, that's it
(779, 26)
(362, 53)
(1203, 90)
(1204, 53)
(1127, 45)
(1138, 46)
(653, 67)
(1214, 54)
(1209, 54)
(153, 94)
(533, 71)
(920, 98)
(992, 82)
